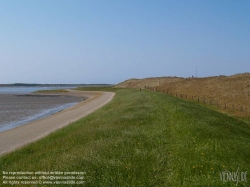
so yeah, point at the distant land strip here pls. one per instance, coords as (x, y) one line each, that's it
(50, 85)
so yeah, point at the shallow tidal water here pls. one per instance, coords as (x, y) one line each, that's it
(16, 109)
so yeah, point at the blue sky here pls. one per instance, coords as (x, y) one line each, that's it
(109, 41)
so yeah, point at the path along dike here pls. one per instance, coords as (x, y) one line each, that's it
(22, 135)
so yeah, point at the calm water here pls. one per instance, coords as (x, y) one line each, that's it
(16, 111)
(23, 90)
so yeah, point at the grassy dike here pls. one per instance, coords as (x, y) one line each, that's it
(143, 139)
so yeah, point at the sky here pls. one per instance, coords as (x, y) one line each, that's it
(109, 41)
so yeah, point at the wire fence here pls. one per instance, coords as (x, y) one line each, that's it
(243, 109)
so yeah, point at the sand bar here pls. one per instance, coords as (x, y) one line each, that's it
(22, 135)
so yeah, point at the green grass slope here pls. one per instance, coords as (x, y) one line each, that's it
(142, 138)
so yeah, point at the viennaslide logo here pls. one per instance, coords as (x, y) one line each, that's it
(234, 176)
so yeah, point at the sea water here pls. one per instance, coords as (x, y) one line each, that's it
(28, 89)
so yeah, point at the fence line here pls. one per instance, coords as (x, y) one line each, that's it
(225, 106)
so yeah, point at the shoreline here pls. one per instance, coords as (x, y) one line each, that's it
(38, 116)
(24, 134)
(16, 110)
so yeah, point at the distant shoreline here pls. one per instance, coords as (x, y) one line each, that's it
(50, 85)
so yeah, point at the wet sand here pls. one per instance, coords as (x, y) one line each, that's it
(17, 137)
(16, 108)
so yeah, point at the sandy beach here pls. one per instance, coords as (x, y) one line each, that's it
(19, 136)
